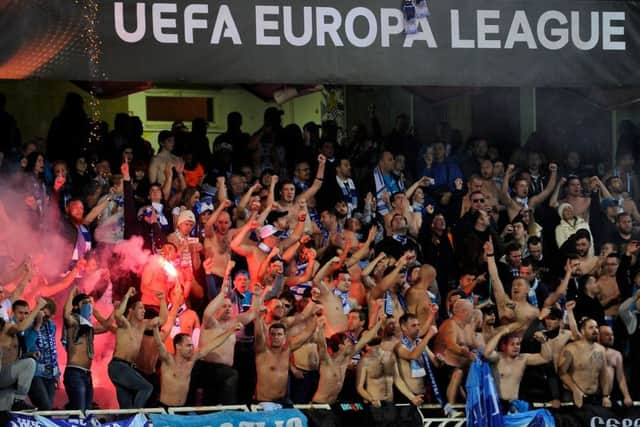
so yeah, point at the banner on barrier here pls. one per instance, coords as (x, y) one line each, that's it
(278, 418)
(24, 420)
(597, 416)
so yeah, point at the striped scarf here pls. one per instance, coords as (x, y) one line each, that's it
(47, 365)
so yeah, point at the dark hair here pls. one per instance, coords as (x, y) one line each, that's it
(130, 304)
(277, 326)
(622, 215)
(512, 247)
(362, 315)
(534, 240)
(179, 338)
(406, 317)
(583, 321)
(334, 341)
(32, 158)
(528, 263)
(164, 135)
(19, 303)
(78, 298)
(582, 234)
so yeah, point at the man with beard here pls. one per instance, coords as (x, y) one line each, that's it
(583, 368)
(77, 337)
(509, 364)
(614, 368)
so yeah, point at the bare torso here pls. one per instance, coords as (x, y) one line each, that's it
(508, 374)
(588, 360)
(174, 381)
(332, 373)
(272, 368)
(380, 370)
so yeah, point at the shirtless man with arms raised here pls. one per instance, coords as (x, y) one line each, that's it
(132, 389)
(333, 368)
(78, 341)
(517, 308)
(272, 359)
(508, 365)
(582, 368)
(336, 319)
(16, 373)
(615, 368)
(417, 296)
(176, 368)
(215, 372)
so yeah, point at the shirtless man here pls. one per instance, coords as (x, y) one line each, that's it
(333, 367)
(217, 241)
(333, 306)
(272, 359)
(453, 348)
(508, 365)
(514, 309)
(574, 197)
(15, 373)
(159, 275)
(215, 372)
(582, 368)
(415, 359)
(520, 198)
(305, 361)
(387, 288)
(175, 372)
(609, 295)
(417, 296)
(615, 368)
(132, 389)
(77, 337)
(376, 375)
(256, 254)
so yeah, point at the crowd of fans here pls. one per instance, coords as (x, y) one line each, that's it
(288, 266)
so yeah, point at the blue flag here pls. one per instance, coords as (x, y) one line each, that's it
(483, 402)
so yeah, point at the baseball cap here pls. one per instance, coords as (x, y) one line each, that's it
(266, 231)
(607, 203)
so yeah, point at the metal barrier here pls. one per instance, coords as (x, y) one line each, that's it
(217, 408)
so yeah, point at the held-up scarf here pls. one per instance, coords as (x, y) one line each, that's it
(47, 365)
(415, 365)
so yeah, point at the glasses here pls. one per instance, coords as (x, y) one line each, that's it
(477, 200)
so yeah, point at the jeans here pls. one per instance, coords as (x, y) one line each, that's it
(219, 383)
(16, 377)
(42, 392)
(79, 387)
(301, 390)
(132, 389)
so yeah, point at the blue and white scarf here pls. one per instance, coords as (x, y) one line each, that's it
(381, 187)
(344, 299)
(47, 365)
(427, 370)
(349, 194)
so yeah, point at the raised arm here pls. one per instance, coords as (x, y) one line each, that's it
(225, 204)
(554, 200)
(24, 324)
(571, 320)
(67, 280)
(218, 341)
(317, 183)
(260, 343)
(19, 289)
(390, 279)
(216, 302)
(367, 336)
(561, 290)
(544, 194)
(498, 289)
(302, 338)
(121, 320)
(364, 250)
(68, 307)
(238, 244)
(165, 357)
(324, 271)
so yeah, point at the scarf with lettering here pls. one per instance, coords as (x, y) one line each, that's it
(47, 365)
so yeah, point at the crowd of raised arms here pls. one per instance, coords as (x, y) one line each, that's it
(294, 266)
